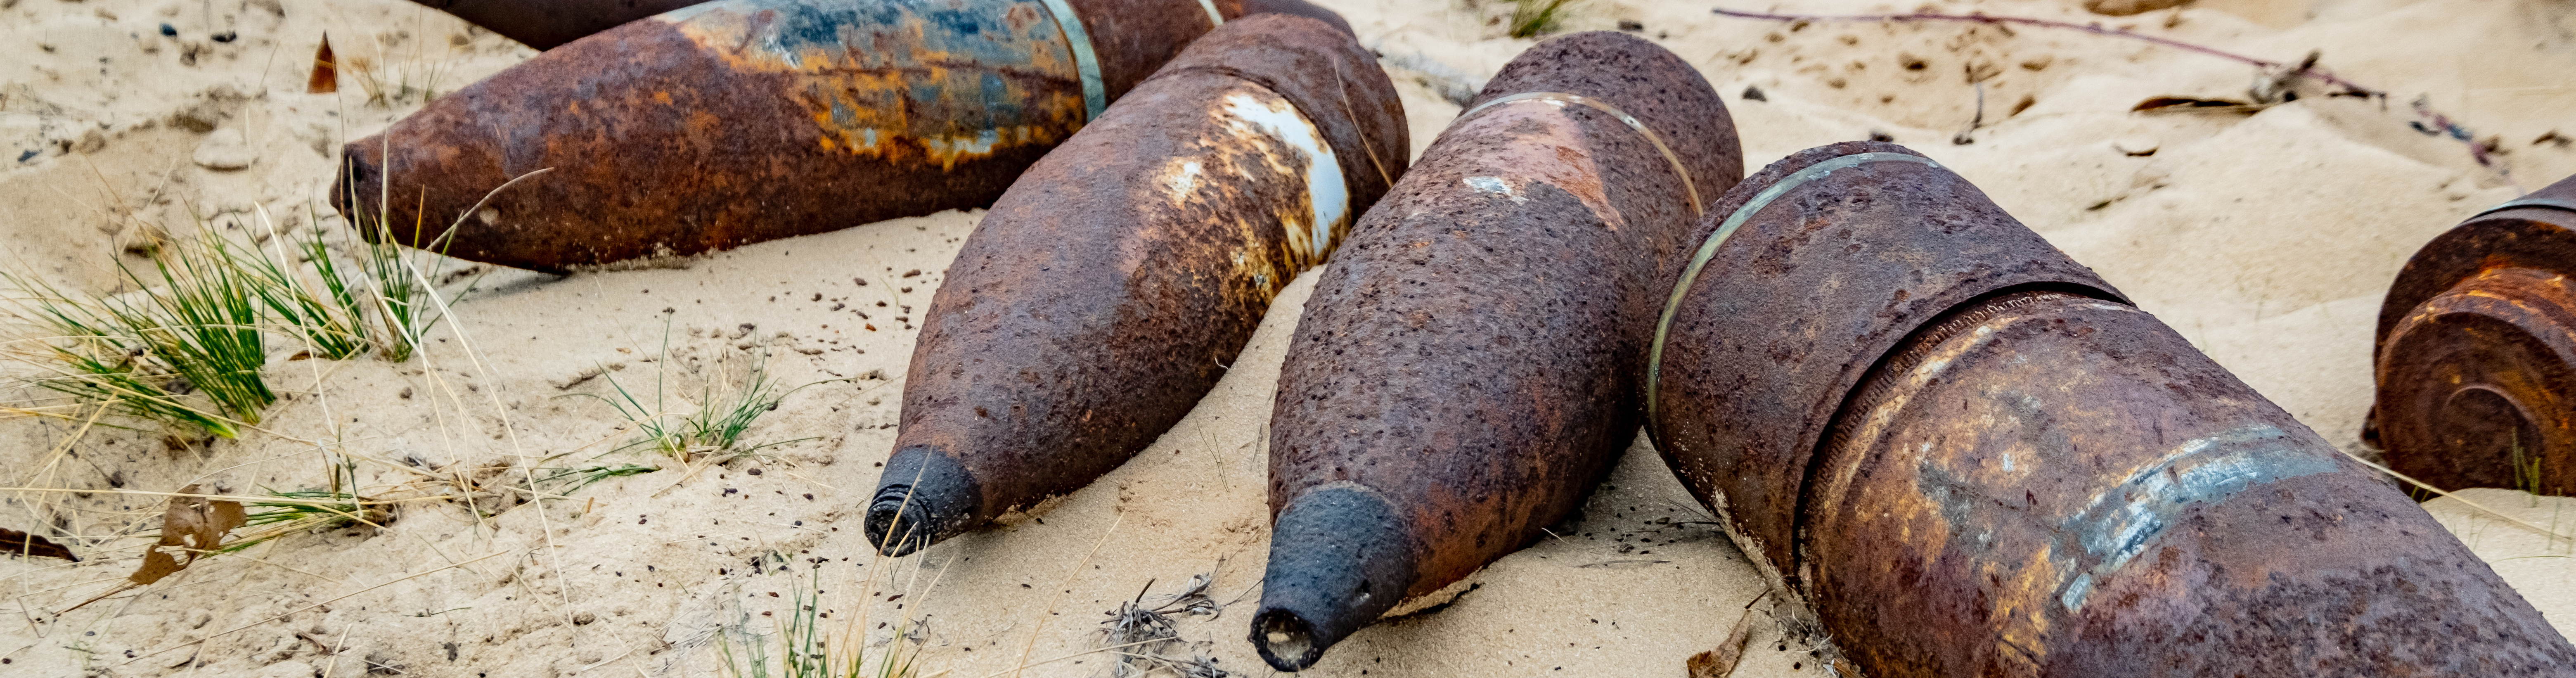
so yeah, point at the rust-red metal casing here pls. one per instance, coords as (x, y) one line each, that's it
(1466, 369)
(2476, 352)
(1966, 455)
(739, 121)
(1107, 292)
(543, 24)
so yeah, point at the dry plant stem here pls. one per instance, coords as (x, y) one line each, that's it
(238, 497)
(1060, 589)
(2552, 534)
(2351, 88)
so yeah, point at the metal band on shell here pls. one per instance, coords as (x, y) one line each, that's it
(1095, 93)
(1708, 249)
(1687, 187)
(2546, 203)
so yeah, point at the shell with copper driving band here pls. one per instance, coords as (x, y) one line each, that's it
(739, 121)
(1963, 454)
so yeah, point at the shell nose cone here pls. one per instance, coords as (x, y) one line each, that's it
(924, 498)
(357, 179)
(1339, 558)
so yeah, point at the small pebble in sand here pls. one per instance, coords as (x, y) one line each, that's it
(225, 150)
(2135, 144)
(1881, 135)
(1752, 93)
(1631, 25)
(169, 31)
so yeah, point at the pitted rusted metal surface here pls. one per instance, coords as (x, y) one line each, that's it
(1771, 334)
(2476, 352)
(543, 24)
(1108, 291)
(739, 121)
(1466, 369)
(2043, 484)
(1967, 456)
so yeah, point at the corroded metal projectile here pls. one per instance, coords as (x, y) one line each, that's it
(1965, 455)
(739, 121)
(1466, 370)
(2476, 352)
(543, 24)
(1106, 293)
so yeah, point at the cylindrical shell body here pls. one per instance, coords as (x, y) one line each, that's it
(1465, 370)
(1106, 293)
(2476, 353)
(543, 24)
(2050, 485)
(1771, 334)
(738, 121)
(1983, 462)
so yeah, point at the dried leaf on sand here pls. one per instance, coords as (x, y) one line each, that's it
(1720, 662)
(18, 543)
(195, 526)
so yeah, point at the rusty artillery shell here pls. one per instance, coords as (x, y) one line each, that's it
(543, 24)
(739, 121)
(1466, 370)
(2476, 352)
(1106, 293)
(1966, 455)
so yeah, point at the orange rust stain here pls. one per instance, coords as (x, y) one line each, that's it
(904, 99)
(663, 97)
(1552, 149)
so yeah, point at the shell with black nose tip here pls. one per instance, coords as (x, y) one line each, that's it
(1105, 295)
(1466, 371)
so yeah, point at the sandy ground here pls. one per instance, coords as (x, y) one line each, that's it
(2267, 239)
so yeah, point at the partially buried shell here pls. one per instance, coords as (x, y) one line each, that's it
(1466, 369)
(1965, 455)
(2477, 352)
(1106, 293)
(740, 121)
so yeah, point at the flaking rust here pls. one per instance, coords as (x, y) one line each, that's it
(738, 121)
(1966, 455)
(1106, 293)
(2476, 352)
(1465, 370)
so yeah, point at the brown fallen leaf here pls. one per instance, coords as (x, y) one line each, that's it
(195, 526)
(1720, 662)
(326, 77)
(23, 544)
(2195, 105)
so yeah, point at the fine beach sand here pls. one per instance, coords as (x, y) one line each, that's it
(2266, 238)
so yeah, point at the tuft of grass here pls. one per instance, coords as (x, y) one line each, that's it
(570, 480)
(804, 649)
(713, 426)
(333, 507)
(1533, 18)
(95, 359)
(400, 278)
(193, 328)
(330, 316)
(203, 323)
